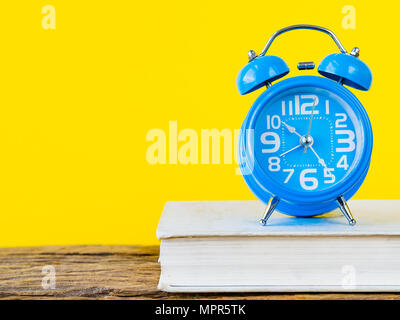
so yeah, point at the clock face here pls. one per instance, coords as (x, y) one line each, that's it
(308, 139)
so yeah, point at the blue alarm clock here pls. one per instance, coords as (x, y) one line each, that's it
(305, 146)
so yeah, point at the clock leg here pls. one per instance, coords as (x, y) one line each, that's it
(344, 207)
(272, 203)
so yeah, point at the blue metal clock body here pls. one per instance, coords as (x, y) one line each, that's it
(305, 146)
(342, 138)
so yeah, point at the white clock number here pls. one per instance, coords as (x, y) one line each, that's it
(328, 173)
(289, 175)
(342, 163)
(274, 164)
(275, 142)
(349, 140)
(304, 179)
(274, 122)
(339, 122)
(327, 106)
(309, 105)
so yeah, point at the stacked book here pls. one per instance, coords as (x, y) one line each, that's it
(219, 246)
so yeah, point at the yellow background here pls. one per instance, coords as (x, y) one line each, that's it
(78, 101)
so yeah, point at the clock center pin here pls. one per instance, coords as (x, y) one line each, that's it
(306, 140)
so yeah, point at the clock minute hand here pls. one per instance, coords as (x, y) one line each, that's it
(311, 119)
(291, 129)
(309, 125)
(320, 161)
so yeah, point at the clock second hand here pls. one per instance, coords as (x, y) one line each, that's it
(282, 154)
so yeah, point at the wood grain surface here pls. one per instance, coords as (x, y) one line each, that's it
(108, 272)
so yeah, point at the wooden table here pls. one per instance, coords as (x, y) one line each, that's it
(107, 272)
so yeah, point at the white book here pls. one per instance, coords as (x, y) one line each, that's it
(219, 246)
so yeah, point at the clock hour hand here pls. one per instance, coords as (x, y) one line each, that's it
(320, 161)
(282, 154)
(291, 129)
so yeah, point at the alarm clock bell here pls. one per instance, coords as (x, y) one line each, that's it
(347, 69)
(259, 72)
